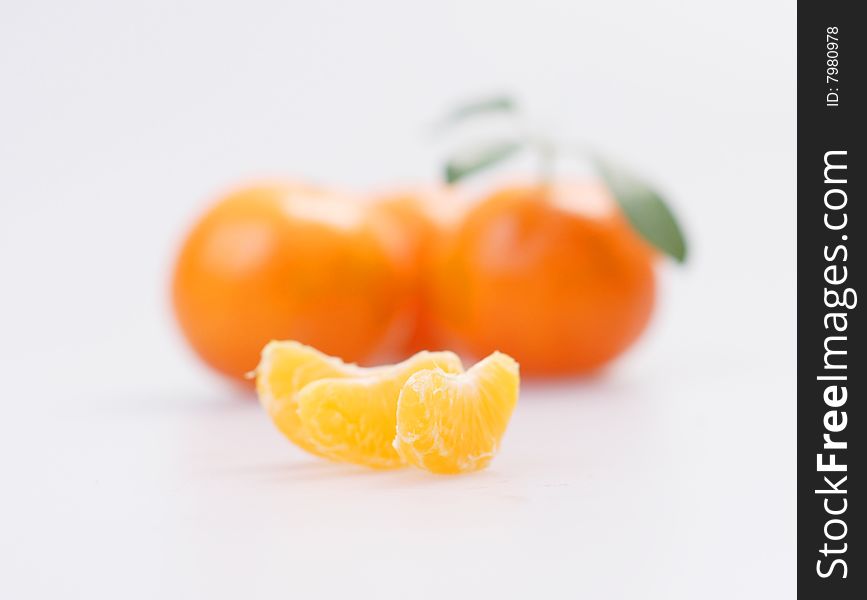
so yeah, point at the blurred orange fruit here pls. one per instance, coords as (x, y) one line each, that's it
(552, 274)
(288, 260)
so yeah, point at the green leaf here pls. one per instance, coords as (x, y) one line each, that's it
(479, 157)
(645, 209)
(493, 104)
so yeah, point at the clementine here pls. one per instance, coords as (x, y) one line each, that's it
(552, 274)
(288, 260)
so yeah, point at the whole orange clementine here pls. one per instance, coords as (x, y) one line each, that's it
(292, 261)
(553, 275)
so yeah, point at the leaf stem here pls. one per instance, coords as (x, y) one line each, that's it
(642, 205)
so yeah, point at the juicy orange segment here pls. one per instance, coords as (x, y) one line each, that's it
(353, 419)
(285, 368)
(453, 423)
(349, 409)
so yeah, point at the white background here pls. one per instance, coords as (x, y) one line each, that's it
(129, 471)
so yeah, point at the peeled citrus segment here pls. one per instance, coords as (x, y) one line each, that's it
(349, 411)
(453, 423)
(285, 368)
(353, 419)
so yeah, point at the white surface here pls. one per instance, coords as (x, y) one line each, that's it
(129, 471)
